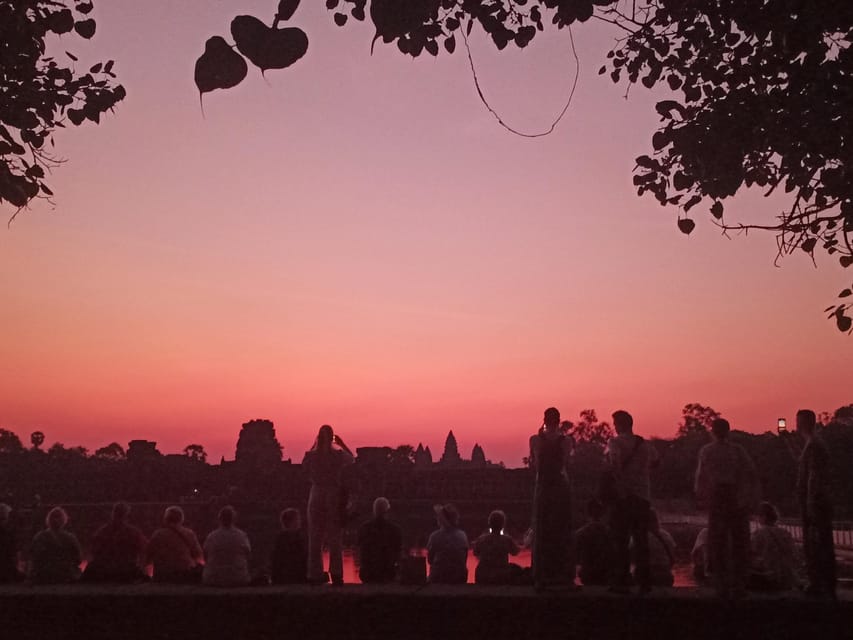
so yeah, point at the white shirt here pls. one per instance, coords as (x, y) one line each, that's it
(724, 463)
(226, 552)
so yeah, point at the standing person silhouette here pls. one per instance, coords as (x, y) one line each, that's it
(727, 484)
(629, 458)
(324, 465)
(816, 508)
(550, 451)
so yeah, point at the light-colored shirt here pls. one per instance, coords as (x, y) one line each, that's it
(227, 551)
(724, 463)
(633, 477)
(773, 554)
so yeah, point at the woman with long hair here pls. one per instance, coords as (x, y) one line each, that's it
(324, 464)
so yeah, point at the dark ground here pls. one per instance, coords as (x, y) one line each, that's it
(357, 611)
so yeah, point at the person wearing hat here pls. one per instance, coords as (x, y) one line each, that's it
(447, 548)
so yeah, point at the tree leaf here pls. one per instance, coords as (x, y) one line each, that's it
(717, 209)
(844, 322)
(219, 67)
(265, 47)
(808, 244)
(692, 202)
(286, 9)
(686, 225)
(85, 28)
(845, 293)
(666, 107)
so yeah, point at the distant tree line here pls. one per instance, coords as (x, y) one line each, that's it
(141, 473)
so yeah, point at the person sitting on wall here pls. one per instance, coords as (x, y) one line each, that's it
(493, 549)
(380, 543)
(661, 553)
(174, 550)
(701, 558)
(117, 550)
(289, 560)
(55, 553)
(594, 547)
(226, 553)
(447, 548)
(8, 548)
(773, 553)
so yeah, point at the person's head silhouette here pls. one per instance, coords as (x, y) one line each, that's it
(623, 422)
(720, 428)
(121, 511)
(325, 437)
(227, 515)
(806, 422)
(381, 506)
(497, 521)
(551, 419)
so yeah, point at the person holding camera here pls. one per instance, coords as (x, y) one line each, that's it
(325, 463)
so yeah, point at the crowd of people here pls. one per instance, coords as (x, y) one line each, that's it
(623, 531)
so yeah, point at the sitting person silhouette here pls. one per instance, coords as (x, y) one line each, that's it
(55, 553)
(117, 550)
(701, 558)
(8, 548)
(226, 553)
(174, 550)
(594, 548)
(289, 560)
(447, 548)
(661, 553)
(493, 548)
(380, 543)
(773, 553)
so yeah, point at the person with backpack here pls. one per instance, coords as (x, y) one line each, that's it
(174, 550)
(629, 459)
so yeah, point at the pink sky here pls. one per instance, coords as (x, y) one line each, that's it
(358, 242)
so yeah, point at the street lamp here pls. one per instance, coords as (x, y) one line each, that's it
(781, 425)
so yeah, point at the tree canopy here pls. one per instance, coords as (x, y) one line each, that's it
(760, 93)
(760, 89)
(39, 93)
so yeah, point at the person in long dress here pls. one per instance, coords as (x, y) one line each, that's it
(550, 451)
(325, 464)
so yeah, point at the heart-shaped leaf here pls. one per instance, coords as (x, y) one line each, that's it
(86, 28)
(717, 209)
(219, 67)
(265, 47)
(686, 225)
